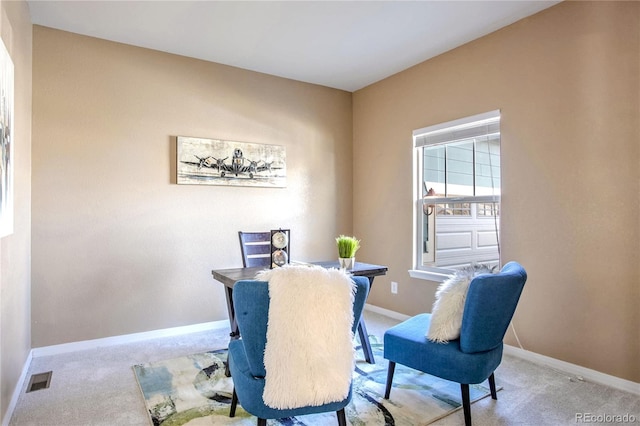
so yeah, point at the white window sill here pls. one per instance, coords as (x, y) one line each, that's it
(429, 275)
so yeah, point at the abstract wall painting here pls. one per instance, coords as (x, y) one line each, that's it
(6, 142)
(220, 162)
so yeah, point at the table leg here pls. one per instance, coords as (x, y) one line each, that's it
(364, 336)
(364, 340)
(235, 333)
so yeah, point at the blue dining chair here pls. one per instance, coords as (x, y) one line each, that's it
(472, 358)
(246, 355)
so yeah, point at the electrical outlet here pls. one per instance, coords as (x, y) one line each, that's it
(394, 287)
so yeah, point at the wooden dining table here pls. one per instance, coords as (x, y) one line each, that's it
(229, 277)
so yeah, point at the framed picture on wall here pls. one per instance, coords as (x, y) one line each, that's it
(203, 161)
(6, 142)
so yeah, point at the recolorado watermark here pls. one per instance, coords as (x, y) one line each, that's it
(605, 418)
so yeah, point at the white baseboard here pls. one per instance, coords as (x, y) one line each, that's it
(571, 369)
(582, 373)
(127, 338)
(18, 389)
(386, 312)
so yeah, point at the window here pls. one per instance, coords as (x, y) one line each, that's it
(456, 195)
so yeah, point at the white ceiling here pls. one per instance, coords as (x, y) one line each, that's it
(342, 44)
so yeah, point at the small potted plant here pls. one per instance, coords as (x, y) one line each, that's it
(347, 248)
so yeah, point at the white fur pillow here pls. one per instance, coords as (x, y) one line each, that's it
(446, 315)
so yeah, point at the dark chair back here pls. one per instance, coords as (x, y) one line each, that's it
(489, 307)
(255, 248)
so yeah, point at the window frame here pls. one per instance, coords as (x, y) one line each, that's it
(434, 273)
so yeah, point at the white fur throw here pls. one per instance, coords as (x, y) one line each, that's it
(309, 356)
(446, 315)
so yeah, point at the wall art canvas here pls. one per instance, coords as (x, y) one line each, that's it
(203, 161)
(7, 142)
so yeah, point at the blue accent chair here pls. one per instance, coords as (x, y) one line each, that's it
(246, 355)
(490, 304)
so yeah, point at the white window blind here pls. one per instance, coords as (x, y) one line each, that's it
(482, 126)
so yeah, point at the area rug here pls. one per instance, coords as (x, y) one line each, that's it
(193, 390)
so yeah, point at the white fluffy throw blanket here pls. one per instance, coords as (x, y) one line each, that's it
(309, 356)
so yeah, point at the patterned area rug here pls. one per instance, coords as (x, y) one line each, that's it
(193, 390)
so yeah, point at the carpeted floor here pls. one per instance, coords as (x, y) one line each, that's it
(98, 387)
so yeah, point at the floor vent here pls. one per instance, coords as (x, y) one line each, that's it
(39, 381)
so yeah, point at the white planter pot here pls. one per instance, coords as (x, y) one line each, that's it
(347, 262)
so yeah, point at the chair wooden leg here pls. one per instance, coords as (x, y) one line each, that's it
(466, 403)
(234, 403)
(392, 367)
(492, 386)
(342, 418)
(262, 422)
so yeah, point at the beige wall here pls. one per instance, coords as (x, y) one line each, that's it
(567, 83)
(118, 247)
(15, 249)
